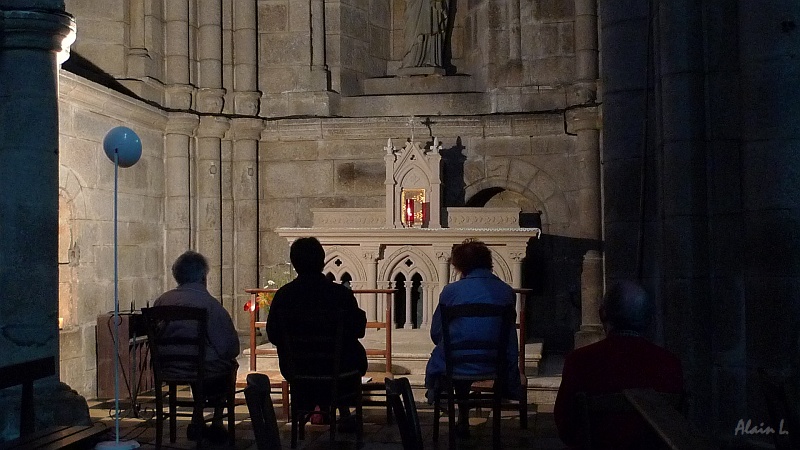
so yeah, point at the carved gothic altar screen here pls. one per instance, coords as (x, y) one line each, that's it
(406, 245)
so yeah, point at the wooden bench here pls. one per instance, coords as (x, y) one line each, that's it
(52, 438)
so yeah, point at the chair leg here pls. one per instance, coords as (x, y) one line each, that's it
(294, 427)
(496, 416)
(232, 414)
(360, 422)
(159, 417)
(436, 413)
(332, 420)
(523, 412)
(172, 413)
(451, 418)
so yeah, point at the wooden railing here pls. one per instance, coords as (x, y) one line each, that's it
(387, 314)
(254, 323)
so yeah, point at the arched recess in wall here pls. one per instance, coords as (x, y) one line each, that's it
(511, 182)
(411, 267)
(71, 211)
(552, 263)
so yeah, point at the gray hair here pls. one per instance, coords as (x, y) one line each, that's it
(627, 307)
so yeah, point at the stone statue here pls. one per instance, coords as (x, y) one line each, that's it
(425, 33)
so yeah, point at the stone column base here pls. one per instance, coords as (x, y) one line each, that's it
(589, 334)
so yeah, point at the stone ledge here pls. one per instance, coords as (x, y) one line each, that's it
(418, 84)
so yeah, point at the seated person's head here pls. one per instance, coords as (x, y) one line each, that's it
(307, 255)
(190, 267)
(626, 307)
(470, 255)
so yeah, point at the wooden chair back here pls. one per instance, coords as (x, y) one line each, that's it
(401, 399)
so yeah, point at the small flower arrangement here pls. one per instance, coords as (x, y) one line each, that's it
(280, 275)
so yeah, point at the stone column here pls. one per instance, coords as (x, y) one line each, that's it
(29, 180)
(443, 271)
(585, 124)
(514, 42)
(177, 189)
(137, 53)
(409, 285)
(427, 288)
(208, 166)
(319, 67)
(370, 256)
(33, 43)
(245, 134)
(245, 68)
(516, 256)
(176, 55)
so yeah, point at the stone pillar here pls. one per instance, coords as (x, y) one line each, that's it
(585, 125)
(245, 68)
(516, 256)
(409, 285)
(245, 134)
(427, 288)
(514, 42)
(443, 271)
(319, 67)
(138, 57)
(176, 55)
(591, 296)
(208, 165)
(177, 190)
(370, 258)
(33, 43)
(29, 180)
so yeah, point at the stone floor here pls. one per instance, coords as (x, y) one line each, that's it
(377, 433)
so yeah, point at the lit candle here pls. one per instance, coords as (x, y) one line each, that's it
(60, 323)
(410, 212)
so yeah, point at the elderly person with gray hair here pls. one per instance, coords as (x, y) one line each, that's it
(190, 271)
(623, 360)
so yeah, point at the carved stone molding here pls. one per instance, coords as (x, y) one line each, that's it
(348, 217)
(181, 123)
(483, 217)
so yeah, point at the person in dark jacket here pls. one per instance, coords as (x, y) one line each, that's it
(313, 295)
(623, 360)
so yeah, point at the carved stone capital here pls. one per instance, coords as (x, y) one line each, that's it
(210, 100)
(443, 256)
(246, 103)
(247, 129)
(179, 96)
(517, 255)
(213, 127)
(49, 30)
(181, 123)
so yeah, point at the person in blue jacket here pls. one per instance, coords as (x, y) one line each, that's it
(478, 284)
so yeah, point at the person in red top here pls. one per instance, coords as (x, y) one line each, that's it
(623, 360)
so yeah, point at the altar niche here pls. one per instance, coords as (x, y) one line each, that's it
(409, 249)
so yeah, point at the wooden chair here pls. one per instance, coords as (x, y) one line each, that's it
(277, 382)
(314, 355)
(376, 386)
(401, 398)
(179, 359)
(488, 351)
(486, 386)
(262, 413)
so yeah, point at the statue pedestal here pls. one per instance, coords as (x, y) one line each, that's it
(411, 71)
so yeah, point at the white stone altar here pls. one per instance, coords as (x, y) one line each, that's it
(407, 244)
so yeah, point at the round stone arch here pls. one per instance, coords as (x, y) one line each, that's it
(71, 212)
(349, 263)
(422, 265)
(539, 188)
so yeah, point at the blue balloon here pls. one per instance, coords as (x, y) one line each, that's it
(125, 143)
